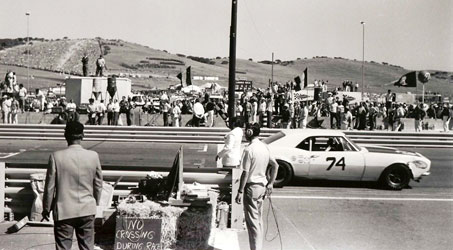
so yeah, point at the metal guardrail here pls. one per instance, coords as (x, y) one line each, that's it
(211, 135)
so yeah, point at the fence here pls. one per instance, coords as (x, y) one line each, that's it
(16, 193)
(211, 135)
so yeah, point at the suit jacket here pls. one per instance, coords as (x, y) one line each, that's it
(73, 183)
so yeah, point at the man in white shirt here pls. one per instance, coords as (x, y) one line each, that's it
(116, 112)
(22, 94)
(100, 112)
(255, 183)
(198, 113)
(231, 152)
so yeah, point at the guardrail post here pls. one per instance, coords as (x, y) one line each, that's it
(237, 213)
(2, 191)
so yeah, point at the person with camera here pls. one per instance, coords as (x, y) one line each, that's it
(254, 184)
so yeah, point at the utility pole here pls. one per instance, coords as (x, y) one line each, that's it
(232, 63)
(28, 50)
(363, 54)
(272, 69)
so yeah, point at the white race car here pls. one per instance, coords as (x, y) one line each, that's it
(330, 155)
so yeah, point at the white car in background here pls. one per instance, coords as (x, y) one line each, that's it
(330, 155)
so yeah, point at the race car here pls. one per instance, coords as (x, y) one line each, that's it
(330, 155)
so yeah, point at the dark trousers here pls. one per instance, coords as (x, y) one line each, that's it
(165, 116)
(22, 103)
(84, 229)
(85, 70)
(332, 117)
(128, 118)
(196, 121)
(269, 119)
(110, 118)
(100, 119)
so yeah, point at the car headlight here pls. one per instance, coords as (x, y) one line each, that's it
(418, 164)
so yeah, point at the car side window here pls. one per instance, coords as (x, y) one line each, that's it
(305, 144)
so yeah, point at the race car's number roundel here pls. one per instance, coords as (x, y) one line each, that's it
(339, 163)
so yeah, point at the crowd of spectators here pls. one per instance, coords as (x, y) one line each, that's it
(272, 107)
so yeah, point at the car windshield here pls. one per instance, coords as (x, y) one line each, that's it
(354, 144)
(274, 137)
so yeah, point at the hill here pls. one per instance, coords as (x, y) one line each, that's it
(51, 60)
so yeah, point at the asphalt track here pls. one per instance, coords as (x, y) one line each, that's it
(311, 215)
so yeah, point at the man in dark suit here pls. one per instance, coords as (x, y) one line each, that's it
(73, 190)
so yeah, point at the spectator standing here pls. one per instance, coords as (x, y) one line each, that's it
(361, 116)
(100, 66)
(269, 112)
(372, 116)
(110, 112)
(198, 113)
(419, 115)
(14, 111)
(85, 60)
(100, 112)
(445, 117)
(254, 112)
(262, 111)
(346, 119)
(231, 152)
(209, 115)
(116, 112)
(247, 110)
(254, 184)
(356, 87)
(286, 117)
(165, 107)
(6, 109)
(303, 115)
(91, 109)
(333, 115)
(176, 114)
(297, 114)
(73, 190)
(41, 98)
(239, 109)
(400, 113)
(125, 108)
(71, 109)
(22, 94)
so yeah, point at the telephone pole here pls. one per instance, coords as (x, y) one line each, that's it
(232, 63)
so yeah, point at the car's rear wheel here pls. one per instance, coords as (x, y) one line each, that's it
(395, 177)
(284, 174)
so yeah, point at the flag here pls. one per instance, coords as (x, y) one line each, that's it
(188, 76)
(180, 77)
(305, 77)
(298, 81)
(407, 80)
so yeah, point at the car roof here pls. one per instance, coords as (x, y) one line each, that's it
(295, 136)
(312, 132)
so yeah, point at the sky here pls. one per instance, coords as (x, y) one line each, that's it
(415, 34)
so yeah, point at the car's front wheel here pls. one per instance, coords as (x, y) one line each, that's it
(395, 177)
(284, 174)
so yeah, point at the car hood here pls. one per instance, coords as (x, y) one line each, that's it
(388, 150)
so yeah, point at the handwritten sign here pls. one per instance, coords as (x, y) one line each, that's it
(138, 234)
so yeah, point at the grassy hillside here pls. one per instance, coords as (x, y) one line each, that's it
(152, 68)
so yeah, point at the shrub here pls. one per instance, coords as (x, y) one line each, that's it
(224, 62)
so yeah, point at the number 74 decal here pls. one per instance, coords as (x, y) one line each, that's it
(339, 163)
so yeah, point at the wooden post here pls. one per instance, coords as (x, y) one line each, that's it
(237, 212)
(2, 191)
(180, 174)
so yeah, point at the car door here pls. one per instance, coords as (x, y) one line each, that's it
(341, 161)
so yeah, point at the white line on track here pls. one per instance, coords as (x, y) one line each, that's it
(296, 229)
(359, 198)
(7, 155)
